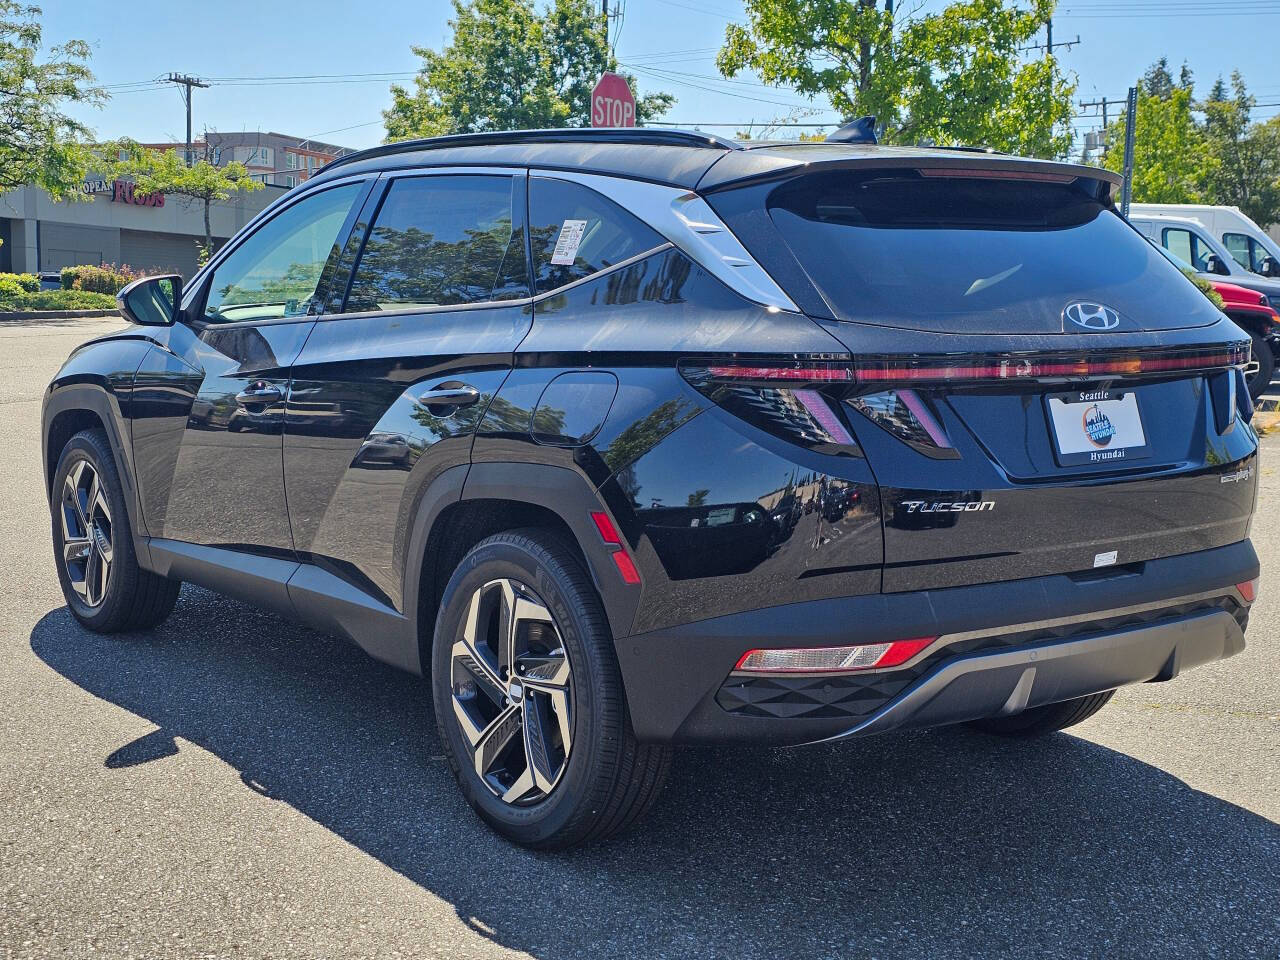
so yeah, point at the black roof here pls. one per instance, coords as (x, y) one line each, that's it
(683, 158)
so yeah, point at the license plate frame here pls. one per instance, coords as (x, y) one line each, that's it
(1096, 427)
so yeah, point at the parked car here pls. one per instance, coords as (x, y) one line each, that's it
(1253, 313)
(590, 339)
(1192, 242)
(1251, 246)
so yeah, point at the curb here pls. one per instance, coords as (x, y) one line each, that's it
(15, 315)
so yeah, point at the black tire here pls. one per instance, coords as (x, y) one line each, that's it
(1050, 718)
(1260, 381)
(133, 598)
(606, 780)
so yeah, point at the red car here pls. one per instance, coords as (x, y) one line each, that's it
(1252, 312)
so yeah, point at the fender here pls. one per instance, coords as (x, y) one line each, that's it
(568, 495)
(98, 378)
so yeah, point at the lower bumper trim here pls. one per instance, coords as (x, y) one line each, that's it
(1010, 681)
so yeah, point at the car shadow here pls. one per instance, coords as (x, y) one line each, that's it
(945, 843)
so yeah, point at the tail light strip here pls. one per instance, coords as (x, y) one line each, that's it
(995, 367)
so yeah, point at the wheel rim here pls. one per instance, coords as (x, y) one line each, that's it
(87, 552)
(512, 690)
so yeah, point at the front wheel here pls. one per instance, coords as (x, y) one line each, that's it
(529, 700)
(104, 587)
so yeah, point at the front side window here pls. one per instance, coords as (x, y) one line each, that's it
(1246, 251)
(441, 241)
(1189, 247)
(277, 271)
(577, 232)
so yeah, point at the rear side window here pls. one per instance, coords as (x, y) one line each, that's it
(441, 241)
(967, 254)
(577, 232)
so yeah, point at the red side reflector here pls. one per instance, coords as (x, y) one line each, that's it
(608, 532)
(626, 567)
(1248, 590)
(900, 651)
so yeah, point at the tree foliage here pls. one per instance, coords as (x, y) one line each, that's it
(955, 76)
(40, 143)
(1244, 157)
(1169, 150)
(164, 171)
(510, 66)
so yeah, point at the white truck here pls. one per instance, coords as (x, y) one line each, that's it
(1249, 245)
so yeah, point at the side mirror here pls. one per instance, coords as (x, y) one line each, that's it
(151, 301)
(1213, 265)
(1269, 267)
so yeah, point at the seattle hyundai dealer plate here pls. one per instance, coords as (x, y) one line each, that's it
(1096, 426)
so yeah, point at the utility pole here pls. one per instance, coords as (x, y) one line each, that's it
(187, 82)
(1093, 104)
(1130, 122)
(604, 10)
(1049, 46)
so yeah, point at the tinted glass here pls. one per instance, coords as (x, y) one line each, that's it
(577, 232)
(1240, 248)
(441, 241)
(277, 271)
(966, 255)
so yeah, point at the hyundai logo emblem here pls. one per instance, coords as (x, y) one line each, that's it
(1092, 316)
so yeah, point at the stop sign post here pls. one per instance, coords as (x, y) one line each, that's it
(612, 103)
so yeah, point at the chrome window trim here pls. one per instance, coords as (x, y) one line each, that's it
(612, 268)
(687, 221)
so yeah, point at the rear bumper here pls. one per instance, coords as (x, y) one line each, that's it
(1002, 647)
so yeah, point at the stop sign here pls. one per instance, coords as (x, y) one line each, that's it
(612, 103)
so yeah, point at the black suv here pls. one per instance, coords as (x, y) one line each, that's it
(630, 438)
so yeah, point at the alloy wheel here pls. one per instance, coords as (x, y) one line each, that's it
(87, 550)
(512, 692)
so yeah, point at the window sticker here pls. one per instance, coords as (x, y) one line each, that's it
(567, 243)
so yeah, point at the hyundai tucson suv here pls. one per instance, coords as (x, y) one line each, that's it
(631, 438)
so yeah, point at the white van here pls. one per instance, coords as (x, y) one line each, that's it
(1193, 242)
(1248, 244)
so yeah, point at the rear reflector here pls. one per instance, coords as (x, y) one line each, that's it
(1248, 590)
(622, 560)
(865, 656)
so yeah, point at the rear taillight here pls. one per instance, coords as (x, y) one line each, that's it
(949, 368)
(862, 656)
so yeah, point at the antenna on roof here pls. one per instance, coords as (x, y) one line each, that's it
(862, 130)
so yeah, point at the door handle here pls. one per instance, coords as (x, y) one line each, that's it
(450, 394)
(259, 393)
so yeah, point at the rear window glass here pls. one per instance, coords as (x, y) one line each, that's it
(442, 240)
(577, 232)
(966, 254)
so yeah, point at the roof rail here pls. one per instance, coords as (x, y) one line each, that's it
(631, 135)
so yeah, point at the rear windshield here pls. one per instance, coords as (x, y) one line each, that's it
(971, 255)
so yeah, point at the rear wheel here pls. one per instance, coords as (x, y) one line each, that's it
(1041, 720)
(103, 585)
(1260, 381)
(529, 700)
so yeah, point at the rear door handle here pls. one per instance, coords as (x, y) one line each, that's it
(450, 394)
(259, 393)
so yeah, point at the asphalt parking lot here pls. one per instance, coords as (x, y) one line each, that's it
(234, 785)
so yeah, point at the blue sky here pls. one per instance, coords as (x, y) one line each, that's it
(667, 44)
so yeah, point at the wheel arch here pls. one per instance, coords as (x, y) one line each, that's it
(506, 496)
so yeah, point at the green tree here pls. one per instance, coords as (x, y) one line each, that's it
(954, 76)
(40, 143)
(1244, 167)
(510, 66)
(1170, 155)
(163, 171)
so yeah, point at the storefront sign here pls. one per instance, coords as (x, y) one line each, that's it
(123, 192)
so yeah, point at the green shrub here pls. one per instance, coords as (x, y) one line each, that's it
(55, 300)
(27, 281)
(9, 287)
